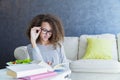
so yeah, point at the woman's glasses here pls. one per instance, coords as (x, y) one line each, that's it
(45, 31)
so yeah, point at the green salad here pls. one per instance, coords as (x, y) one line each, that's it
(25, 61)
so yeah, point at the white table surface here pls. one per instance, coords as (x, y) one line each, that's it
(4, 76)
(75, 76)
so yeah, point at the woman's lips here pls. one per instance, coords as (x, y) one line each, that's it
(46, 37)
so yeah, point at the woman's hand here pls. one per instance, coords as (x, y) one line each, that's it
(49, 63)
(35, 32)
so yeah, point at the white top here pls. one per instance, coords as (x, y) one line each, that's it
(48, 54)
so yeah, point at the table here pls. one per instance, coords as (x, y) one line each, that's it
(75, 76)
(4, 76)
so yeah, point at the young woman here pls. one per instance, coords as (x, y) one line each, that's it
(46, 35)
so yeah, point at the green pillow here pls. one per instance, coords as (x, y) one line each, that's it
(98, 48)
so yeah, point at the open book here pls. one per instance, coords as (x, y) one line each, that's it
(50, 68)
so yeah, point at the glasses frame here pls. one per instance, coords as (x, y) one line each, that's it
(45, 31)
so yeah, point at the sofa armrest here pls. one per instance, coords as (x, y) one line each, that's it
(118, 45)
(21, 53)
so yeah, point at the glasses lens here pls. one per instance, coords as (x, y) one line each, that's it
(50, 33)
(46, 31)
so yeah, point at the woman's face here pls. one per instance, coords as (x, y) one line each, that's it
(46, 31)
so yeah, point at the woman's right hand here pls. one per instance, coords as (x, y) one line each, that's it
(35, 32)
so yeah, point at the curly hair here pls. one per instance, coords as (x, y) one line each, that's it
(55, 23)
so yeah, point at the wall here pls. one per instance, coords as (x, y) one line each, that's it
(78, 16)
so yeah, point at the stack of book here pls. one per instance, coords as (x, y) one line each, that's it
(62, 75)
(23, 70)
(35, 72)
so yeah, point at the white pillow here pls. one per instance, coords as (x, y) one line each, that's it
(21, 52)
(83, 44)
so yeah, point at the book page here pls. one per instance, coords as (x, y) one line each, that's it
(46, 66)
(59, 66)
(56, 67)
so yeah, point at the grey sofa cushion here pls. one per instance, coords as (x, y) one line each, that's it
(95, 65)
(71, 47)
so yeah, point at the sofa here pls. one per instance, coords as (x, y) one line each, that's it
(75, 49)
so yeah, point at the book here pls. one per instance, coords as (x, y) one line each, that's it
(39, 76)
(23, 70)
(51, 68)
(62, 75)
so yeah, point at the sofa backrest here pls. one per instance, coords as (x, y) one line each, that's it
(83, 44)
(71, 47)
(75, 47)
